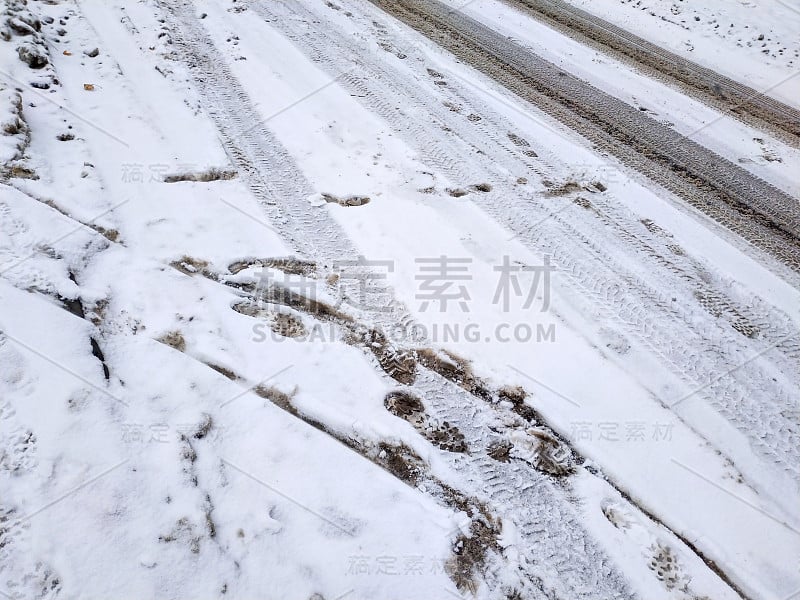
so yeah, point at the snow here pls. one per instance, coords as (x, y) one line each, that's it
(769, 158)
(724, 37)
(173, 477)
(320, 511)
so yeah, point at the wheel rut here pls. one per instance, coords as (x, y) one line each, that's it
(730, 96)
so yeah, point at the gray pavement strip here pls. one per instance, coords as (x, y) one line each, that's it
(756, 95)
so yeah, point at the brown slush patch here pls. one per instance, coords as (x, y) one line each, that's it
(565, 189)
(347, 201)
(400, 365)
(288, 265)
(173, 339)
(552, 456)
(516, 396)
(455, 369)
(401, 461)
(470, 552)
(201, 176)
(500, 451)
(403, 404)
(192, 266)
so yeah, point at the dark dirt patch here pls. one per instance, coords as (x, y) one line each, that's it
(277, 397)
(325, 312)
(652, 227)
(192, 266)
(211, 528)
(112, 235)
(401, 461)
(552, 456)
(457, 192)
(470, 552)
(287, 326)
(250, 309)
(517, 140)
(98, 354)
(455, 369)
(33, 55)
(409, 407)
(203, 427)
(174, 339)
(183, 532)
(720, 308)
(522, 143)
(284, 324)
(400, 365)
(17, 171)
(447, 437)
(565, 189)
(403, 404)
(288, 265)
(583, 203)
(347, 201)
(516, 396)
(223, 371)
(202, 176)
(481, 187)
(500, 451)
(73, 305)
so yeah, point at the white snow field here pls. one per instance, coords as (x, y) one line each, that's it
(327, 300)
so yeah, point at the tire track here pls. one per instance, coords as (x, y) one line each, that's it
(526, 486)
(731, 97)
(263, 162)
(663, 305)
(256, 152)
(518, 492)
(760, 213)
(238, 105)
